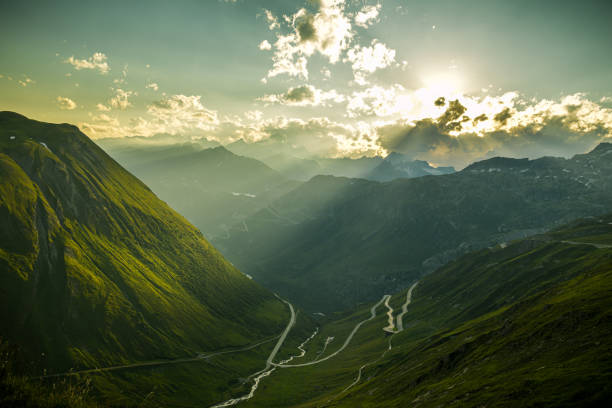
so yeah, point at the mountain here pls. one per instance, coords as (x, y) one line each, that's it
(96, 271)
(214, 188)
(397, 165)
(335, 242)
(525, 324)
(300, 164)
(160, 140)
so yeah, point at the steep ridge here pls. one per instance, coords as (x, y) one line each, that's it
(96, 271)
(335, 242)
(525, 324)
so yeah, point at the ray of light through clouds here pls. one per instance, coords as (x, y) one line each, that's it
(440, 81)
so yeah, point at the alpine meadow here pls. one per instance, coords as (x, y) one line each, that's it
(306, 204)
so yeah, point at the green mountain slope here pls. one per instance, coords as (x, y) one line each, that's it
(335, 242)
(212, 187)
(527, 324)
(96, 271)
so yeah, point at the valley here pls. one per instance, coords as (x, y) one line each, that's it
(306, 204)
(494, 306)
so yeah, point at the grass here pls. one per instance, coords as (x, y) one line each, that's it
(525, 325)
(97, 271)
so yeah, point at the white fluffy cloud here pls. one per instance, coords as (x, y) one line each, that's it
(367, 16)
(121, 99)
(265, 45)
(305, 95)
(366, 60)
(272, 20)
(378, 101)
(327, 32)
(66, 103)
(97, 61)
(175, 114)
(178, 113)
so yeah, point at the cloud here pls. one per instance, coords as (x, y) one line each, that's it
(326, 32)
(313, 137)
(572, 125)
(25, 81)
(305, 95)
(265, 45)
(66, 103)
(272, 20)
(378, 101)
(254, 115)
(366, 60)
(102, 108)
(152, 85)
(177, 113)
(452, 118)
(367, 16)
(98, 61)
(123, 78)
(121, 99)
(503, 116)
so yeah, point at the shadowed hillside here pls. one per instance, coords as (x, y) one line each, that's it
(335, 242)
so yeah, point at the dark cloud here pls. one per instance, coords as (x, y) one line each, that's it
(305, 28)
(440, 101)
(480, 118)
(300, 94)
(503, 116)
(450, 119)
(430, 140)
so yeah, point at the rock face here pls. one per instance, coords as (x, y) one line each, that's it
(95, 270)
(335, 242)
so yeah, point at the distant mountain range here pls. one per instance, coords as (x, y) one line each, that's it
(397, 165)
(96, 271)
(302, 165)
(213, 187)
(335, 242)
(217, 187)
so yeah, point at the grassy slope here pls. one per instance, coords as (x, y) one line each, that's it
(525, 325)
(95, 270)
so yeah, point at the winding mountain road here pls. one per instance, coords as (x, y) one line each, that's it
(400, 317)
(268, 369)
(598, 246)
(155, 363)
(388, 329)
(346, 342)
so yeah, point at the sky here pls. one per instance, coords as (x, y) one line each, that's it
(446, 81)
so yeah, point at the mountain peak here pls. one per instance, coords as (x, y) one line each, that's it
(602, 147)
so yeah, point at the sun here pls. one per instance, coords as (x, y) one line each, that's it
(443, 84)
